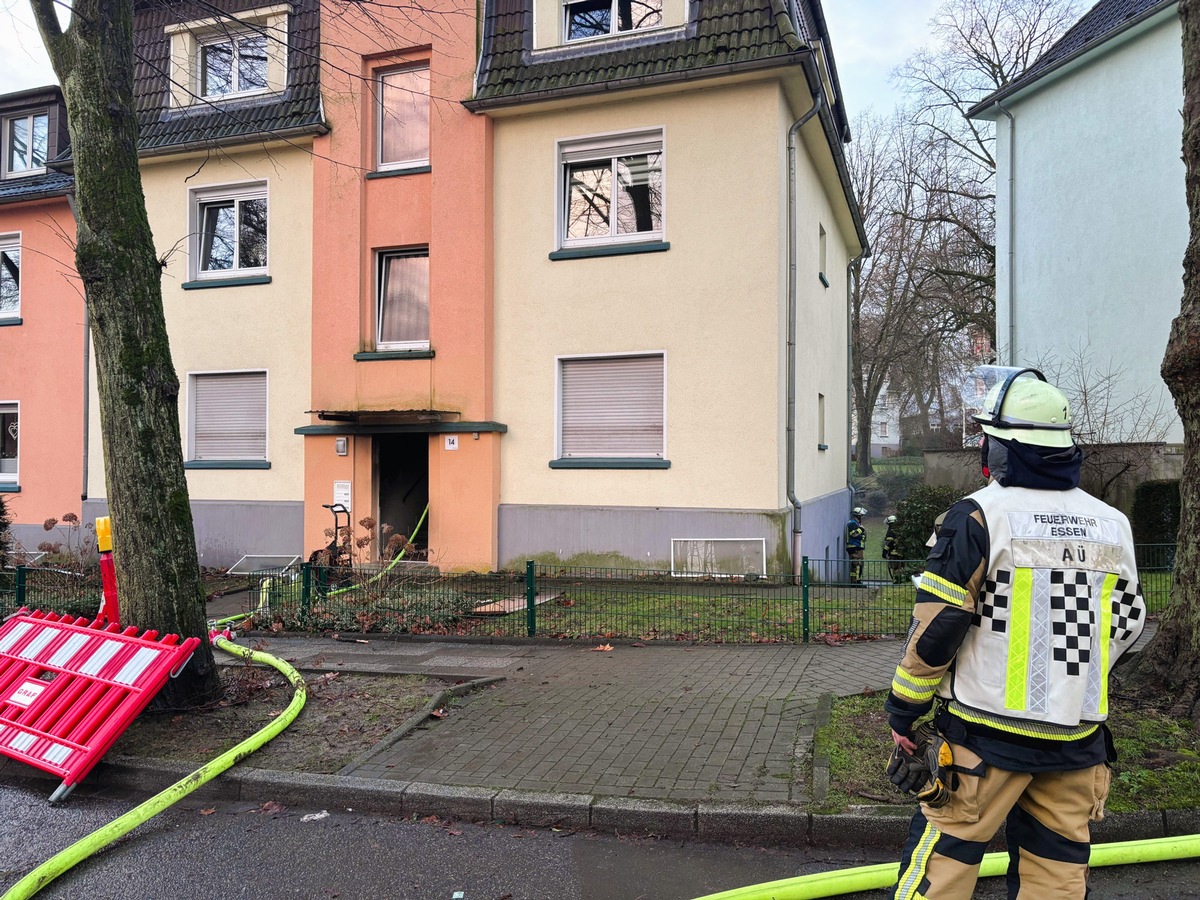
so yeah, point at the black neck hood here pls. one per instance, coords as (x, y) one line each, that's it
(1041, 468)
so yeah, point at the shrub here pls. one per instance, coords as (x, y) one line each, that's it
(898, 485)
(1155, 514)
(915, 515)
(5, 534)
(876, 502)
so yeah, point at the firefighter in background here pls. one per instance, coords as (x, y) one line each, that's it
(891, 551)
(856, 541)
(1029, 597)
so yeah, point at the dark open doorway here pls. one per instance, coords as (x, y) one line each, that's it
(402, 464)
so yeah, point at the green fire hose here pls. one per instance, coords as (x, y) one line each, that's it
(883, 875)
(101, 838)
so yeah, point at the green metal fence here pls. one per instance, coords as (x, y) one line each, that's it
(830, 600)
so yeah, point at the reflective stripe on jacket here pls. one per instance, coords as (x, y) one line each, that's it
(1059, 604)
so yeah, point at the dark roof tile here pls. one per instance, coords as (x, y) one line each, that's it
(719, 32)
(234, 121)
(1102, 21)
(33, 187)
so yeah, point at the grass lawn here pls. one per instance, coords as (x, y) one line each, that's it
(1158, 767)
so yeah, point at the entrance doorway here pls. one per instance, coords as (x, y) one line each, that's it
(402, 465)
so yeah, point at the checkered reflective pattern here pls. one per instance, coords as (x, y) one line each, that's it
(1071, 618)
(1126, 611)
(991, 609)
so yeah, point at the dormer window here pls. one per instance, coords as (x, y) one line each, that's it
(236, 65)
(26, 141)
(233, 55)
(600, 18)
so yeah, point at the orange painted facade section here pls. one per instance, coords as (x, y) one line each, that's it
(447, 209)
(42, 363)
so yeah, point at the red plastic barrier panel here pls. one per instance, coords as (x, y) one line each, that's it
(69, 688)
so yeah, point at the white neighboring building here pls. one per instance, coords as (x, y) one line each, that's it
(1091, 215)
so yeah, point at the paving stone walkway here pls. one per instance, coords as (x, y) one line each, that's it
(684, 723)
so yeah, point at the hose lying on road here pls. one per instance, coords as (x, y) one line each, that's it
(102, 837)
(870, 878)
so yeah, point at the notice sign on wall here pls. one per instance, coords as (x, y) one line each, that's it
(341, 494)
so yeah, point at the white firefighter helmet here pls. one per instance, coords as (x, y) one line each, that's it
(858, 512)
(891, 520)
(1022, 406)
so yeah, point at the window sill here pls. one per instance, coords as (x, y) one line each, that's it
(9, 487)
(610, 250)
(584, 462)
(200, 285)
(824, 280)
(14, 321)
(372, 355)
(396, 173)
(227, 464)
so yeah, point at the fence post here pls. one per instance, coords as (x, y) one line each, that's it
(306, 574)
(804, 595)
(20, 586)
(530, 597)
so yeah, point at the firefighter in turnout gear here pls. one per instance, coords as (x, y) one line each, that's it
(1029, 597)
(856, 540)
(891, 551)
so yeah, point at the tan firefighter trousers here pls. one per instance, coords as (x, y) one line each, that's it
(1046, 816)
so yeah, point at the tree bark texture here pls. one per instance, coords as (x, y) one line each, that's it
(1172, 660)
(158, 573)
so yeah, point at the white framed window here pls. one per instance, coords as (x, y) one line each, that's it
(230, 231)
(611, 189)
(402, 300)
(10, 276)
(10, 440)
(233, 64)
(403, 125)
(583, 19)
(612, 406)
(231, 54)
(26, 143)
(881, 428)
(227, 415)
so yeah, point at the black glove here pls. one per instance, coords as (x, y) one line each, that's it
(926, 773)
(906, 771)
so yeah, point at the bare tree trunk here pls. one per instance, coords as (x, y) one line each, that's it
(154, 544)
(1172, 659)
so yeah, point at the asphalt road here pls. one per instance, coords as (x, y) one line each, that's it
(235, 850)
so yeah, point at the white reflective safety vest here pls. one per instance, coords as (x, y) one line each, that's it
(1059, 605)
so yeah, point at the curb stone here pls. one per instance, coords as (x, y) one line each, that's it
(820, 763)
(657, 817)
(538, 809)
(775, 825)
(708, 821)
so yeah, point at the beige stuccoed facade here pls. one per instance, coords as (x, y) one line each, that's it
(236, 327)
(714, 304)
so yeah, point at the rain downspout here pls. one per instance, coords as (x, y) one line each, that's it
(1012, 235)
(817, 97)
(853, 274)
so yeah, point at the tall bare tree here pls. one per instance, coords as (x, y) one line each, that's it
(154, 539)
(885, 295)
(1172, 660)
(978, 47)
(1120, 431)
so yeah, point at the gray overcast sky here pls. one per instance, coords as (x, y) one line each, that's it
(870, 38)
